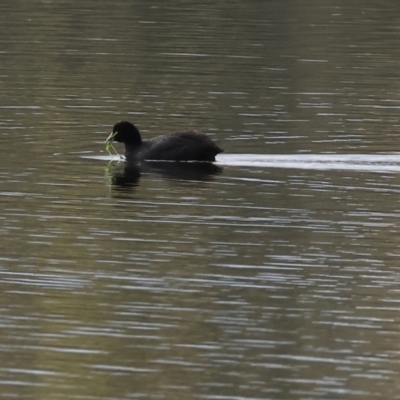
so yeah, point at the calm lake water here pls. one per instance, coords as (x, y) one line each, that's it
(274, 274)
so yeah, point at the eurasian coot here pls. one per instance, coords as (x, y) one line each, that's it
(181, 146)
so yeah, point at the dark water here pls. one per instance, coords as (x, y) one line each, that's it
(274, 275)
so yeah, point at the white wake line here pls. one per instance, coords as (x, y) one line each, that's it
(352, 162)
(325, 162)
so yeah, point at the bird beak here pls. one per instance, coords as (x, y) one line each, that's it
(111, 137)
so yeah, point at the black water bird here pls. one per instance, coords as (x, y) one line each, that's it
(181, 146)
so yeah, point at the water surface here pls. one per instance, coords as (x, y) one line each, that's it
(273, 275)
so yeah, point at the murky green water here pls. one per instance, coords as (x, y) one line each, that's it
(274, 275)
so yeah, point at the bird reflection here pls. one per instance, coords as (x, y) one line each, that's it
(130, 176)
